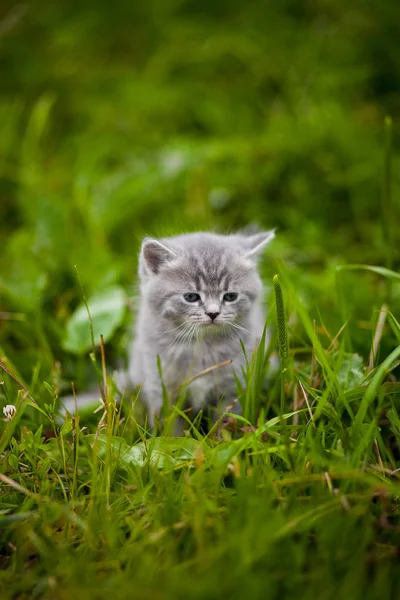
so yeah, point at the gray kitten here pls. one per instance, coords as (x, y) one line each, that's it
(199, 296)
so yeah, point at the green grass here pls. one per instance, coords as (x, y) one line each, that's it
(303, 503)
(161, 117)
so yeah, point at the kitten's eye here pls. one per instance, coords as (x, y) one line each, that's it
(192, 297)
(230, 297)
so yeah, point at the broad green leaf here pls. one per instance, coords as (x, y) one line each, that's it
(107, 311)
(351, 372)
(161, 453)
(177, 452)
(22, 278)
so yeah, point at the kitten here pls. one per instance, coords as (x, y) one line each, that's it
(199, 296)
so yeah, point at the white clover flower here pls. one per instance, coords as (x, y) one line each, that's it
(9, 411)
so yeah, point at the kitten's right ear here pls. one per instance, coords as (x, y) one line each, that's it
(153, 256)
(254, 244)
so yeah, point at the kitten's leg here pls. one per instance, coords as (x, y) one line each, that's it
(152, 397)
(81, 401)
(136, 367)
(94, 397)
(139, 377)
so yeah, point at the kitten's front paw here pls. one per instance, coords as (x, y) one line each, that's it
(122, 381)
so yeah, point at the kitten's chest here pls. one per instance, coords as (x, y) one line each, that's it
(181, 364)
(183, 359)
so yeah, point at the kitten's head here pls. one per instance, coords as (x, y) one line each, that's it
(207, 280)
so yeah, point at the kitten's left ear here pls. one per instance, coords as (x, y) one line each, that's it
(254, 244)
(153, 256)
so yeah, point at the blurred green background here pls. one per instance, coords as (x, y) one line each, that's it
(120, 119)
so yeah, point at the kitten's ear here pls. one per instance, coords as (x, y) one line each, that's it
(153, 256)
(254, 244)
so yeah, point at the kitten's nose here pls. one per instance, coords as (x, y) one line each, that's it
(212, 315)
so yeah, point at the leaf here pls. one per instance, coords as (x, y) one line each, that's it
(389, 388)
(161, 453)
(5, 519)
(395, 421)
(380, 270)
(13, 462)
(22, 276)
(169, 452)
(373, 387)
(176, 452)
(107, 310)
(351, 372)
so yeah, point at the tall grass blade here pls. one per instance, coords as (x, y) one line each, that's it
(388, 216)
(282, 335)
(373, 388)
(373, 269)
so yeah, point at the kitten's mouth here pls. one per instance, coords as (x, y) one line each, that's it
(213, 326)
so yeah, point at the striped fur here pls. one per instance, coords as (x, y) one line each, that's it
(181, 332)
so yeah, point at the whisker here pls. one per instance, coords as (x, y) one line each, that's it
(184, 338)
(236, 326)
(235, 330)
(228, 331)
(181, 335)
(174, 329)
(191, 334)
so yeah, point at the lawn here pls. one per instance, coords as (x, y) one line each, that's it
(126, 120)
